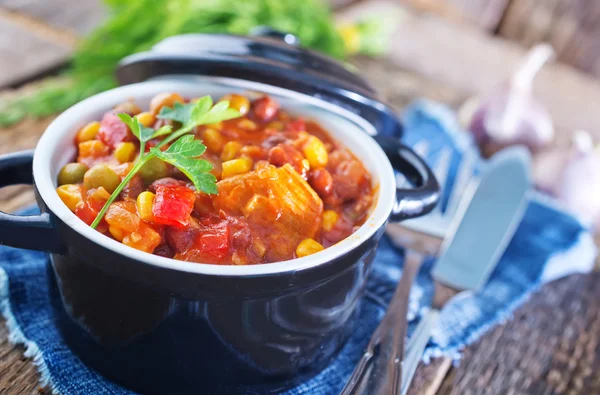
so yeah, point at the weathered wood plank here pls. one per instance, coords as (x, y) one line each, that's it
(571, 26)
(25, 54)
(486, 14)
(462, 58)
(78, 17)
(550, 346)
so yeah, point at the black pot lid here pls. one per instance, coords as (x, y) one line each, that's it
(268, 57)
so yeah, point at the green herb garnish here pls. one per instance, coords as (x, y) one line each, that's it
(185, 150)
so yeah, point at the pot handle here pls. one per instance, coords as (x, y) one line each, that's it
(35, 232)
(410, 202)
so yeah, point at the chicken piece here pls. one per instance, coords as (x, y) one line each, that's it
(279, 205)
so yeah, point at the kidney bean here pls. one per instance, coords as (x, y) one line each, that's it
(241, 236)
(321, 181)
(283, 153)
(265, 109)
(348, 179)
(164, 250)
(133, 188)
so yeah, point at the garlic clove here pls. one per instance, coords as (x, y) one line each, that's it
(509, 114)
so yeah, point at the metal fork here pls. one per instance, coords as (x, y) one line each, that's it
(417, 244)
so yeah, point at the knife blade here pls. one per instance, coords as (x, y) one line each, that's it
(477, 237)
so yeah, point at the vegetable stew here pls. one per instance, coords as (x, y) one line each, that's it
(240, 182)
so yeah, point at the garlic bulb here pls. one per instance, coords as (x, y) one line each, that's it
(510, 114)
(572, 176)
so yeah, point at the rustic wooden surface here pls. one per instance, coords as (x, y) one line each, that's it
(571, 26)
(551, 346)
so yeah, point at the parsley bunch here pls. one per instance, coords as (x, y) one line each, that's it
(185, 150)
(136, 25)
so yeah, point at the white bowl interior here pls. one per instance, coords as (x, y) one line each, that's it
(56, 148)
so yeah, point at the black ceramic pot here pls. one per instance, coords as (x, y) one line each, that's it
(158, 325)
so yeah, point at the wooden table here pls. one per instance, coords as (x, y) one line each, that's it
(551, 344)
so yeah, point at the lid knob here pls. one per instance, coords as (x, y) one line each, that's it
(268, 32)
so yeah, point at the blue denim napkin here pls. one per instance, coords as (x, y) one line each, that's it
(547, 245)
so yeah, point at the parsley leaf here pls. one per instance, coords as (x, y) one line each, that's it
(143, 133)
(219, 112)
(182, 154)
(184, 151)
(201, 112)
(179, 112)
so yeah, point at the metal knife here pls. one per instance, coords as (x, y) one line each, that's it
(477, 237)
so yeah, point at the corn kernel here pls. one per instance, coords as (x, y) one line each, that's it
(116, 232)
(146, 118)
(144, 203)
(125, 152)
(330, 218)
(238, 102)
(217, 126)
(316, 153)
(164, 99)
(231, 149)
(93, 148)
(236, 166)
(70, 194)
(88, 132)
(213, 139)
(308, 247)
(275, 125)
(246, 124)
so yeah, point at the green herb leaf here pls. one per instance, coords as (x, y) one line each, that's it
(183, 155)
(219, 112)
(187, 146)
(179, 112)
(143, 133)
(202, 106)
(133, 123)
(201, 112)
(162, 131)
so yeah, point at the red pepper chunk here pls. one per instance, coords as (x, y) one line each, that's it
(214, 241)
(86, 212)
(173, 205)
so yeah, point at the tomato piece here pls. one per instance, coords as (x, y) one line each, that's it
(173, 205)
(214, 240)
(113, 131)
(296, 126)
(86, 212)
(165, 182)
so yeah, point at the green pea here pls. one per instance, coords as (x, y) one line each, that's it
(153, 170)
(101, 176)
(71, 173)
